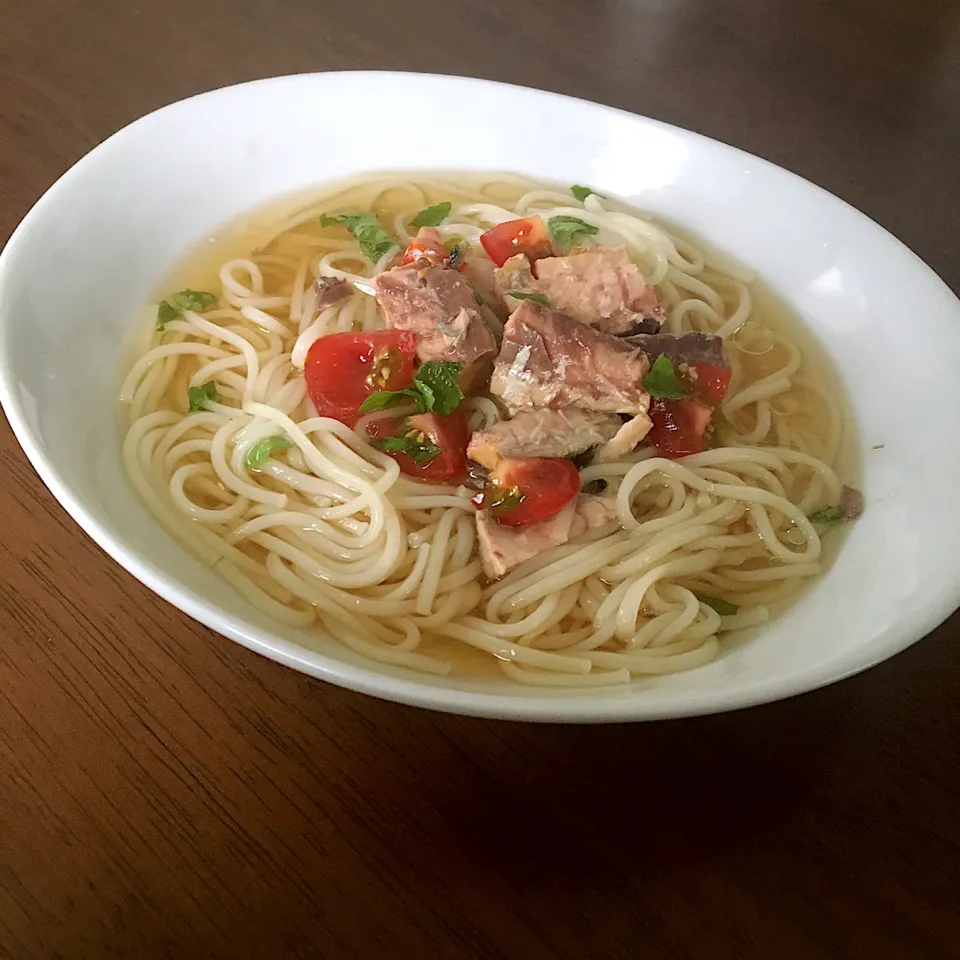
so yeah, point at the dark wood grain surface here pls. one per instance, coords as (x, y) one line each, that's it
(166, 793)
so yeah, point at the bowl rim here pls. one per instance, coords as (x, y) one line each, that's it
(564, 707)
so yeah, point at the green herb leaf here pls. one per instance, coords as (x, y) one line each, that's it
(535, 297)
(200, 396)
(724, 607)
(439, 383)
(436, 387)
(260, 452)
(165, 313)
(568, 231)
(420, 452)
(427, 397)
(372, 239)
(432, 216)
(662, 380)
(388, 398)
(195, 300)
(478, 296)
(581, 193)
(827, 515)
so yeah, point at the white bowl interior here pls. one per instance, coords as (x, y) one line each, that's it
(89, 255)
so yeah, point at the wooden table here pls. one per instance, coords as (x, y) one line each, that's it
(166, 793)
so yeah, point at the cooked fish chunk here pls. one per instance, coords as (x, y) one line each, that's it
(549, 360)
(480, 273)
(330, 290)
(542, 433)
(689, 348)
(626, 439)
(601, 286)
(502, 548)
(851, 502)
(438, 305)
(593, 511)
(515, 276)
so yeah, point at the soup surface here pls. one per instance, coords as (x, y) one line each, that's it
(479, 422)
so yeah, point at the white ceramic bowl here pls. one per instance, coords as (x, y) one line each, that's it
(93, 249)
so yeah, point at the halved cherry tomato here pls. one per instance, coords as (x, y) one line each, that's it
(450, 433)
(427, 243)
(678, 426)
(528, 235)
(343, 369)
(529, 490)
(712, 382)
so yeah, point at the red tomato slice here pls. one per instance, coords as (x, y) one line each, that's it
(450, 433)
(343, 369)
(427, 243)
(529, 236)
(678, 426)
(712, 382)
(529, 490)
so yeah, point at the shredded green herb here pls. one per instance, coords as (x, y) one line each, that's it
(432, 216)
(372, 239)
(827, 515)
(166, 312)
(261, 451)
(200, 396)
(435, 388)
(195, 300)
(662, 380)
(724, 607)
(524, 295)
(420, 451)
(581, 192)
(568, 231)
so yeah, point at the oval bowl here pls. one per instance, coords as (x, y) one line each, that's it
(93, 249)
